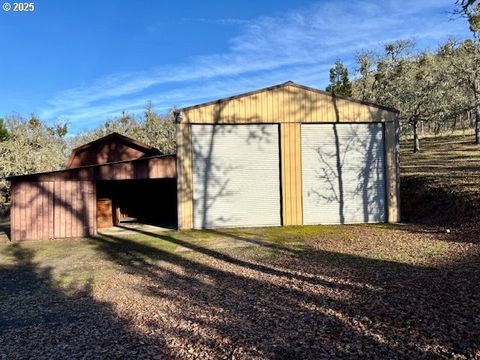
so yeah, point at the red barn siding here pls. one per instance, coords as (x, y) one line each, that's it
(46, 210)
(63, 203)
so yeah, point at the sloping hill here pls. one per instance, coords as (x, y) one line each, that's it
(441, 184)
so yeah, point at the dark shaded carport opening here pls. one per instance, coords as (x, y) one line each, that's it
(146, 201)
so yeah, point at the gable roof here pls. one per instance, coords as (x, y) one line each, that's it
(285, 84)
(111, 138)
(113, 135)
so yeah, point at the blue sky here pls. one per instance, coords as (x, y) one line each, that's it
(86, 61)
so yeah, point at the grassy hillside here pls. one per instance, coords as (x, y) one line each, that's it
(441, 184)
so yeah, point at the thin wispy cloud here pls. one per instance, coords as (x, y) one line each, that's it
(298, 45)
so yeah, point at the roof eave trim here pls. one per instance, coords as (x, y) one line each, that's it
(13, 177)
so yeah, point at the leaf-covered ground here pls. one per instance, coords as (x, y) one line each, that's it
(441, 184)
(295, 292)
(404, 291)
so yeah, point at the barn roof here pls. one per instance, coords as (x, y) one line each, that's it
(114, 137)
(148, 153)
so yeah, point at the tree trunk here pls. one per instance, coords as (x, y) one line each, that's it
(454, 123)
(477, 125)
(416, 141)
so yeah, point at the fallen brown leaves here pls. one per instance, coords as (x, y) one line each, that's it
(370, 292)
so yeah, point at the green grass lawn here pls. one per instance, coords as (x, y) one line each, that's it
(67, 256)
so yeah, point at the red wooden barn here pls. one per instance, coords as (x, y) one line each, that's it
(107, 181)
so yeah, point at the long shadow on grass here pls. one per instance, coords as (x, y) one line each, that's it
(38, 320)
(226, 303)
(236, 261)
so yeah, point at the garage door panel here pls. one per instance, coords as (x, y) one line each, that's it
(343, 173)
(235, 175)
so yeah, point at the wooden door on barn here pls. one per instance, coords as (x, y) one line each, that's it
(104, 213)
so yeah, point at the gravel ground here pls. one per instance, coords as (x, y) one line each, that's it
(313, 292)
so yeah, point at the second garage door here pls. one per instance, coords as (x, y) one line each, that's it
(343, 173)
(235, 175)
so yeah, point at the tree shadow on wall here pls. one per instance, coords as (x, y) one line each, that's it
(215, 184)
(350, 151)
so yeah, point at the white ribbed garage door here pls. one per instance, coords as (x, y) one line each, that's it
(343, 173)
(235, 175)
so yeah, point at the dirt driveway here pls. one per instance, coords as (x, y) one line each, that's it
(294, 292)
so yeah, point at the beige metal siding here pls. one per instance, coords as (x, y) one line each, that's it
(291, 158)
(289, 103)
(184, 176)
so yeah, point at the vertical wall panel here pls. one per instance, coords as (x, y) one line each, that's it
(45, 220)
(15, 213)
(184, 176)
(81, 209)
(93, 208)
(28, 211)
(13, 228)
(76, 209)
(68, 209)
(56, 215)
(39, 218)
(63, 208)
(60, 207)
(91, 205)
(31, 211)
(24, 211)
(34, 211)
(291, 171)
(88, 208)
(20, 222)
(51, 215)
(34, 223)
(29, 214)
(43, 217)
(73, 209)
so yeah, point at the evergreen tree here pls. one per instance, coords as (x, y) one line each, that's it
(3, 130)
(339, 82)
